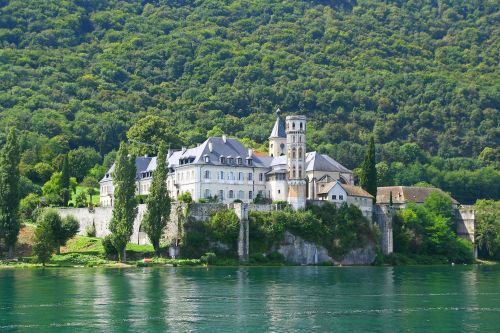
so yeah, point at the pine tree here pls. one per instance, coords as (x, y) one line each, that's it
(368, 176)
(65, 182)
(158, 202)
(9, 192)
(125, 203)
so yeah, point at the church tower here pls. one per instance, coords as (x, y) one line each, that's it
(296, 160)
(277, 139)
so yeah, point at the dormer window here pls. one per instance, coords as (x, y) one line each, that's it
(249, 162)
(240, 161)
(222, 160)
(207, 159)
(230, 160)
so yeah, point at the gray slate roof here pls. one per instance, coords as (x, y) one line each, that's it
(235, 149)
(141, 165)
(278, 129)
(404, 194)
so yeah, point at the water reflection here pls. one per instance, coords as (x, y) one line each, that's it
(287, 299)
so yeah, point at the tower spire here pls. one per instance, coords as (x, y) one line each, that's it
(277, 139)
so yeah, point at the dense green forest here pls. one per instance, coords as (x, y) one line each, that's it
(79, 76)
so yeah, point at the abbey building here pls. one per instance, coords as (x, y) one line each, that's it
(222, 169)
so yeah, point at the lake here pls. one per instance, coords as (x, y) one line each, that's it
(254, 299)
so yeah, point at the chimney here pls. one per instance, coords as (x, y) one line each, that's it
(250, 152)
(224, 138)
(183, 149)
(210, 146)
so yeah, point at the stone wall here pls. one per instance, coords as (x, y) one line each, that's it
(100, 218)
(383, 215)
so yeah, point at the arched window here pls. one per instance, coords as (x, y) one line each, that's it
(300, 153)
(230, 194)
(301, 125)
(300, 172)
(293, 153)
(293, 172)
(293, 125)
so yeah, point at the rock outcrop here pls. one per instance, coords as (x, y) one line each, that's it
(297, 250)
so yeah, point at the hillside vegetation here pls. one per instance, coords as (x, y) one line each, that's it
(422, 76)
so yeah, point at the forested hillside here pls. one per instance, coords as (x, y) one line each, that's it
(78, 76)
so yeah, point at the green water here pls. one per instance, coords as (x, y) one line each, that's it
(288, 299)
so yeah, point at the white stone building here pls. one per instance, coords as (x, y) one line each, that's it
(339, 194)
(222, 169)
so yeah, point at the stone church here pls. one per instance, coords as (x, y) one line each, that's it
(222, 169)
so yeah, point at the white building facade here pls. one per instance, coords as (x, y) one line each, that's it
(222, 169)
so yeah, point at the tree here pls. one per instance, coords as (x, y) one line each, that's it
(368, 176)
(28, 206)
(52, 189)
(9, 191)
(62, 228)
(45, 244)
(65, 191)
(81, 199)
(488, 228)
(158, 201)
(125, 203)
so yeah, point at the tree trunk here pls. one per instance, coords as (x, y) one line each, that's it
(11, 252)
(156, 246)
(58, 250)
(124, 256)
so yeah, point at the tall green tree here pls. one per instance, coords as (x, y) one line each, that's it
(158, 202)
(125, 203)
(65, 181)
(488, 228)
(9, 191)
(368, 176)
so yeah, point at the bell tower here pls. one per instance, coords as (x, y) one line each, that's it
(277, 139)
(296, 160)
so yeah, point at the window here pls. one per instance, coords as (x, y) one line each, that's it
(207, 193)
(207, 174)
(334, 197)
(261, 176)
(341, 197)
(240, 161)
(293, 153)
(249, 162)
(300, 153)
(207, 159)
(222, 160)
(241, 195)
(279, 191)
(230, 160)
(250, 195)
(250, 176)
(240, 176)
(221, 195)
(230, 195)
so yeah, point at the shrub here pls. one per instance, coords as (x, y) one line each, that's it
(208, 258)
(109, 248)
(81, 200)
(28, 207)
(185, 197)
(90, 231)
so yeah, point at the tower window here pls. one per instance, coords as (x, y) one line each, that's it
(293, 153)
(300, 125)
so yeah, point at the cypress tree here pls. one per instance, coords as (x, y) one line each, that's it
(65, 191)
(9, 191)
(158, 202)
(368, 177)
(125, 203)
